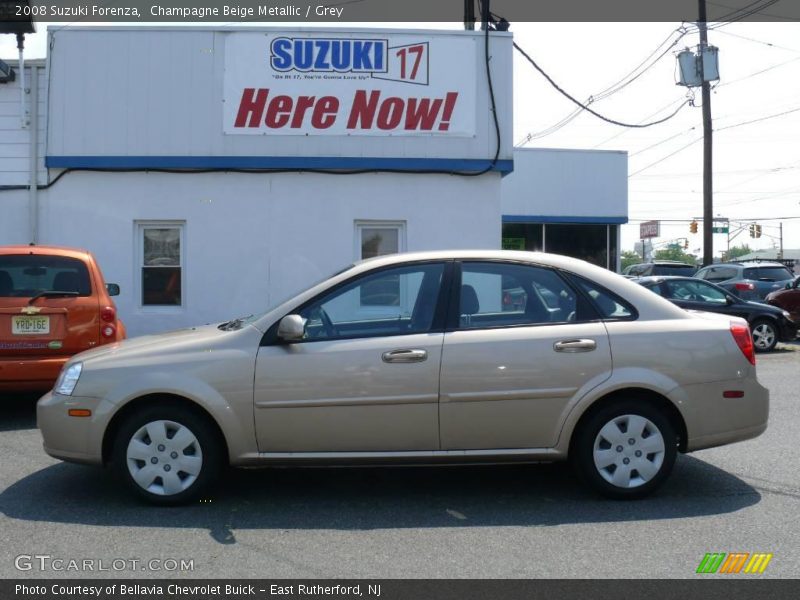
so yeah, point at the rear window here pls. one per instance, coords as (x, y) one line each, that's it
(768, 273)
(25, 275)
(684, 270)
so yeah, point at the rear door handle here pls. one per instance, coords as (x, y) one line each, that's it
(575, 346)
(404, 356)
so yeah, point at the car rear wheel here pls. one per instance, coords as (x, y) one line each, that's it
(625, 450)
(167, 455)
(765, 335)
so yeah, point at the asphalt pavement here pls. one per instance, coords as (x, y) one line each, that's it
(511, 521)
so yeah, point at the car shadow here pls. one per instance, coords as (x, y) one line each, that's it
(373, 498)
(18, 411)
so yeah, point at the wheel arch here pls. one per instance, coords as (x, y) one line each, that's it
(163, 399)
(640, 394)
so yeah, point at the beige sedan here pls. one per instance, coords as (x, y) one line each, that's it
(437, 357)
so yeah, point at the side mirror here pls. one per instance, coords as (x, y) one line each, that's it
(113, 289)
(292, 328)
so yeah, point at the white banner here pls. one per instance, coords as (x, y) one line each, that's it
(293, 83)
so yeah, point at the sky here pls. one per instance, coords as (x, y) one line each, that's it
(756, 165)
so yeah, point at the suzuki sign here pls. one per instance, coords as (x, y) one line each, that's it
(377, 84)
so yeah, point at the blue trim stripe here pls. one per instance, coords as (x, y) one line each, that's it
(564, 219)
(274, 162)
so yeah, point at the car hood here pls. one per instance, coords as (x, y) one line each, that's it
(155, 344)
(764, 307)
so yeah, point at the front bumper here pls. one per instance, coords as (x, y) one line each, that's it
(74, 439)
(787, 330)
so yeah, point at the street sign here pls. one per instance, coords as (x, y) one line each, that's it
(649, 229)
(720, 229)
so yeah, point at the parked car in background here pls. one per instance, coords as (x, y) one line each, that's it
(768, 324)
(473, 356)
(788, 298)
(54, 303)
(750, 280)
(660, 267)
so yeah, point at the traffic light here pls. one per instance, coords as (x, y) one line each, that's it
(758, 231)
(685, 244)
(693, 227)
(752, 230)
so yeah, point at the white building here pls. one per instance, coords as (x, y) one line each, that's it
(214, 171)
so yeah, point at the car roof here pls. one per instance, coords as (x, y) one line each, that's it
(46, 251)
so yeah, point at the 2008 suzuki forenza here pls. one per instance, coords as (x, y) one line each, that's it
(437, 357)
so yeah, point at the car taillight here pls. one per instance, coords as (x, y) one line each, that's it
(108, 314)
(108, 331)
(741, 333)
(744, 287)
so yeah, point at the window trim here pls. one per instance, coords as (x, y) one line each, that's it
(270, 338)
(138, 258)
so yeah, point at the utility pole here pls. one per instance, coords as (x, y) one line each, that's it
(780, 253)
(469, 15)
(708, 189)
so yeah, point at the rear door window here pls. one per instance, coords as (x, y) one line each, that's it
(497, 294)
(25, 275)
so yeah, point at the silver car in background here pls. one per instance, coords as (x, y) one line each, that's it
(419, 358)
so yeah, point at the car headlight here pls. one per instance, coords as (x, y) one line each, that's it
(68, 379)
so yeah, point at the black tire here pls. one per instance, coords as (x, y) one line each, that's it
(206, 446)
(764, 328)
(587, 438)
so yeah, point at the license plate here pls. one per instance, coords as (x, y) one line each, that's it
(25, 325)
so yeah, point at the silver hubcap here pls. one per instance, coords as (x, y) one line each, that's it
(763, 336)
(164, 457)
(628, 451)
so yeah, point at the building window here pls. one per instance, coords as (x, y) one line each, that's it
(379, 239)
(161, 264)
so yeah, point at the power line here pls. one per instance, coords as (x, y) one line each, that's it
(772, 15)
(786, 112)
(664, 141)
(791, 60)
(625, 81)
(585, 107)
(757, 41)
(670, 155)
(650, 116)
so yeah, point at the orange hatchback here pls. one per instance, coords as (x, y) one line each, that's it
(54, 303)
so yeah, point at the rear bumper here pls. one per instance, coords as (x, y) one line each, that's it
(30, 373)
(713, 420)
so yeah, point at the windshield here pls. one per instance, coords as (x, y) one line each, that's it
(28, 275)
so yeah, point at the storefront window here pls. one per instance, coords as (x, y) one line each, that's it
(594, 243)
(522, 236)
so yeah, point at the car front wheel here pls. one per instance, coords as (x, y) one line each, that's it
(625, 450)
(765, 335)
(167, 455)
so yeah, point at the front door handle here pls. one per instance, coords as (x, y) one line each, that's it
(575, 346)
(404, 356)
